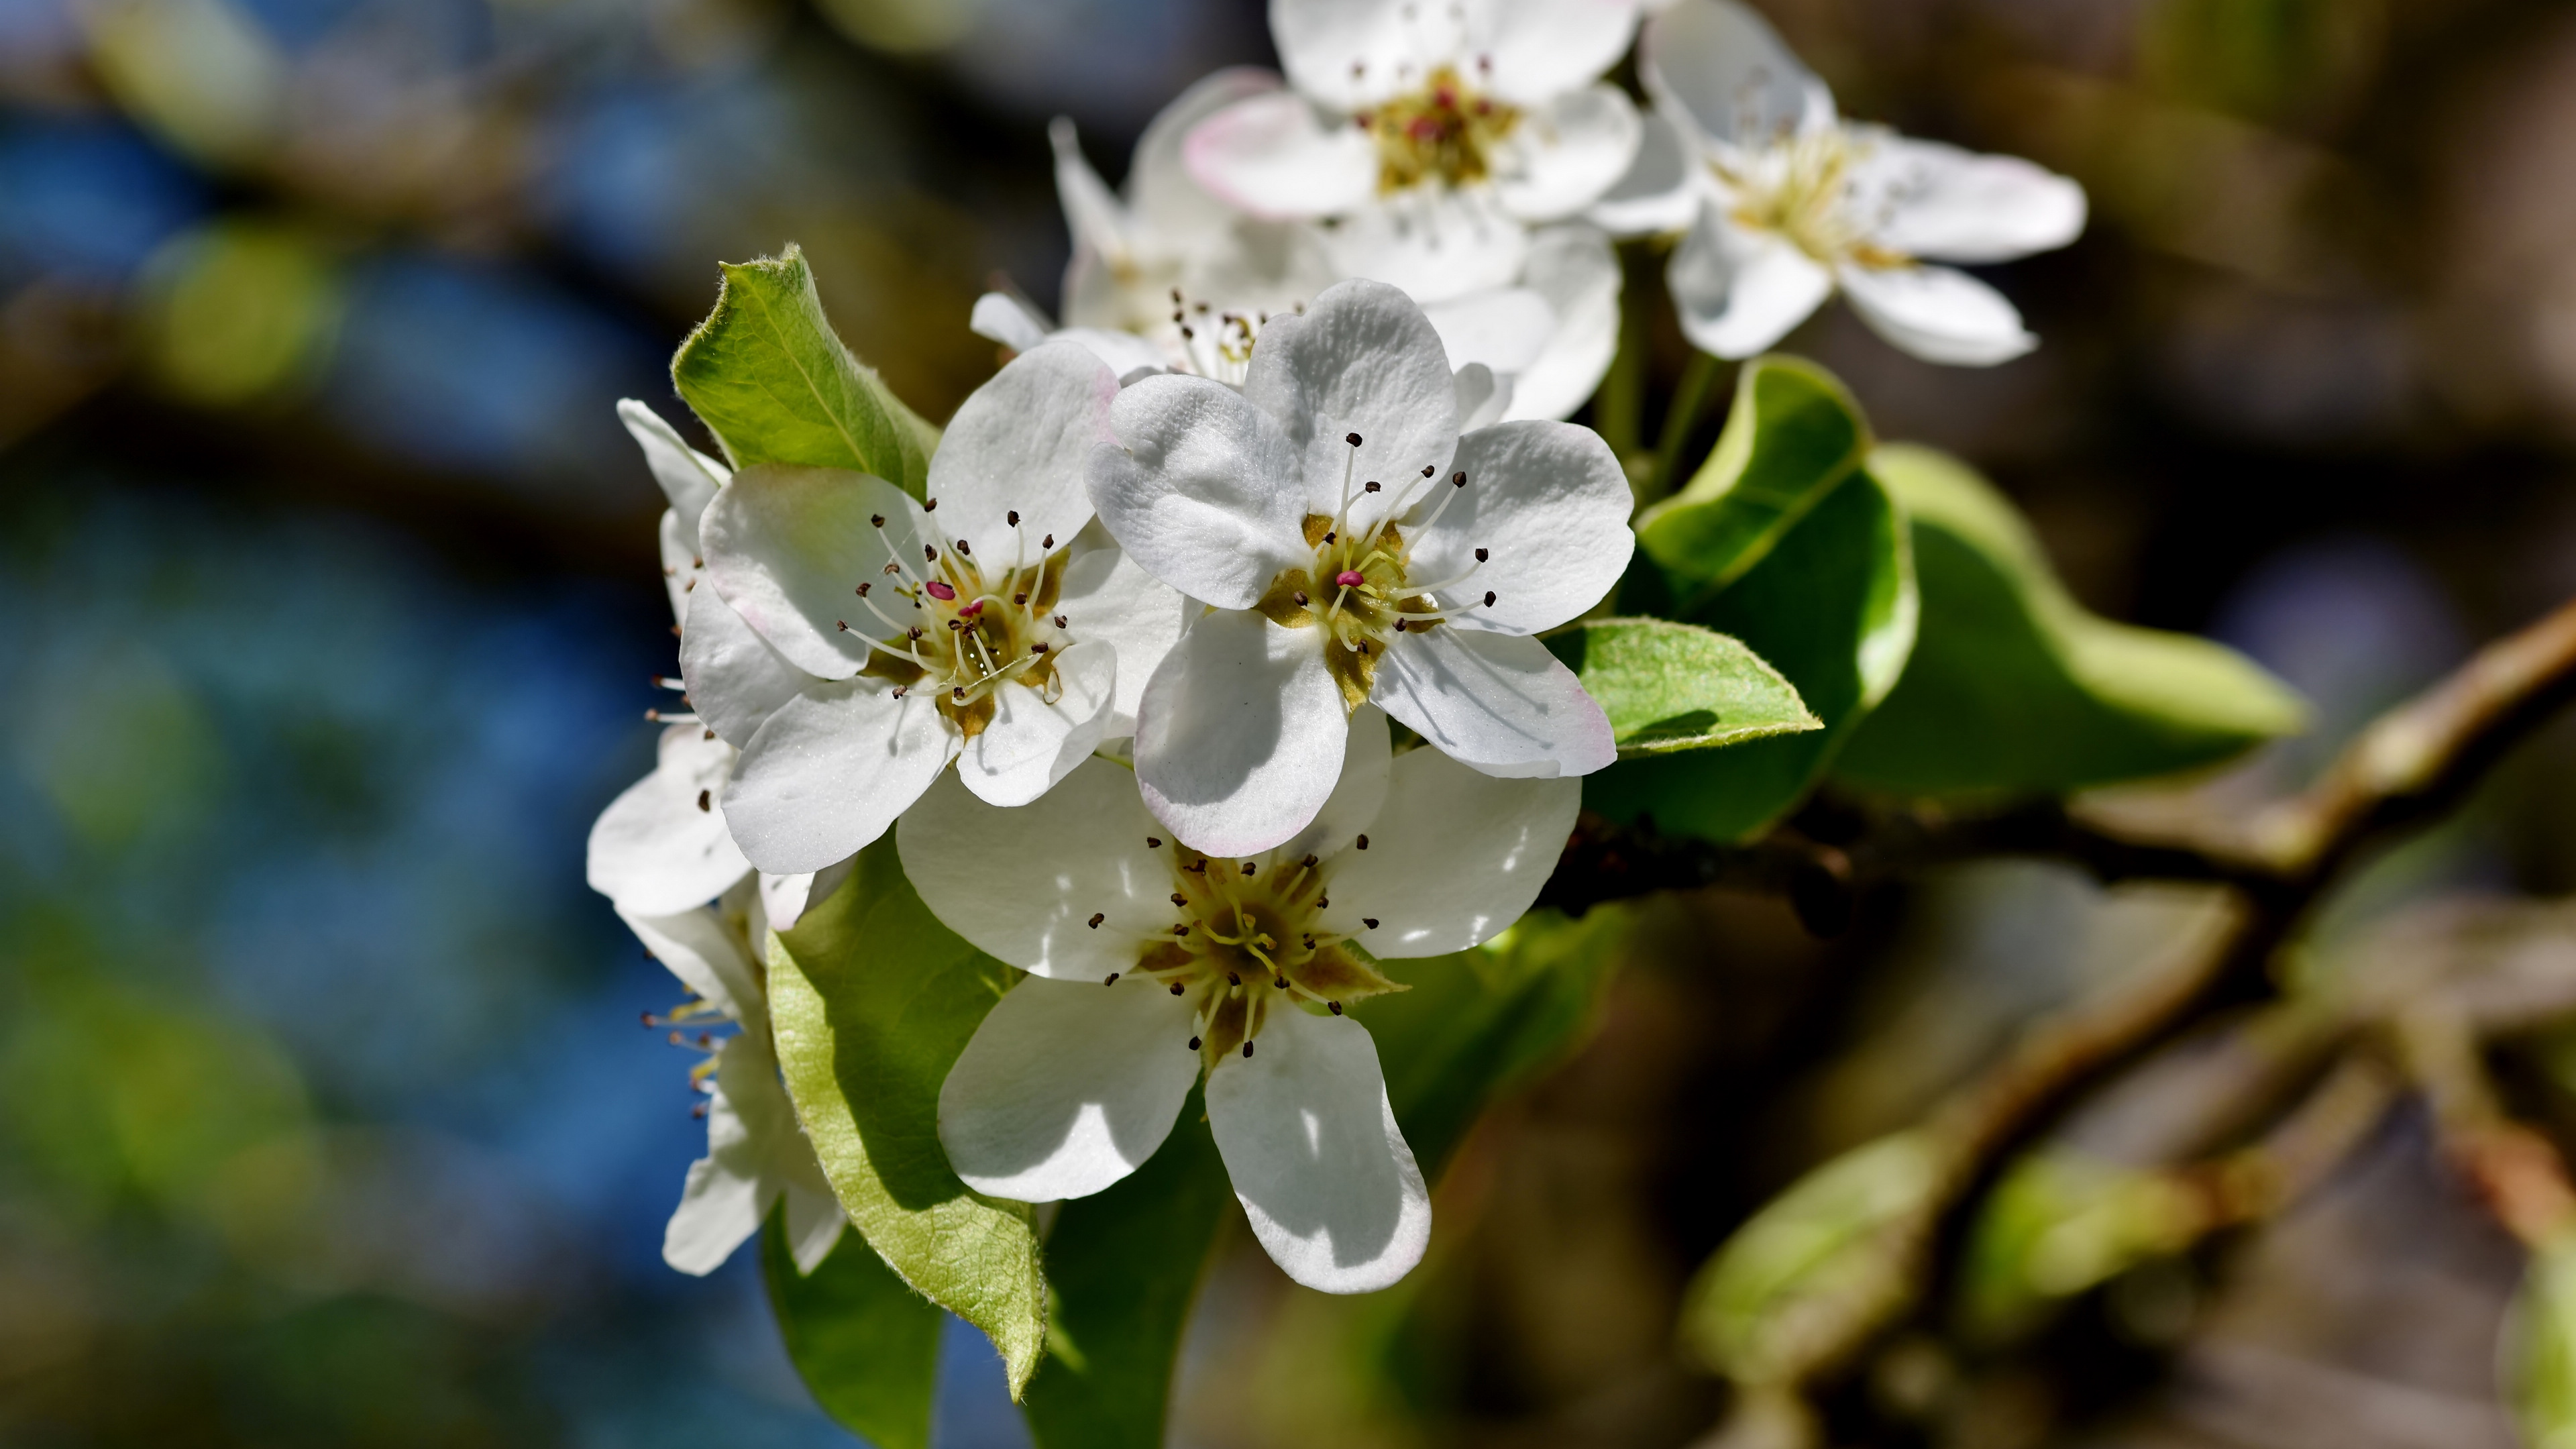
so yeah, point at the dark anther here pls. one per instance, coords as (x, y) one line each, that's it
(1037, 649)
(1369, 921)
(1176, 988)
(1363, 842)
(876, 520)
(1182, 929)
(956, 624)
(1353, 439)
(1336, 1006)
(1059, 621)
(1179, 900)
(1280, 981)
(1369, 487)
(863, 590)
(844, 623)
(1187, 334)
(1247, 867)
(1112, 981)
(929, 554)
(1047, 542)
(1480, 555)
(1323, 903)
(1399, 626)
(1428, 469)
(1096, 918)
(901, 690)
(963, 551)
(1328, 538)
(1300, 597)
(1176, 296)
(930, 505)
(1194, 1043)
(913, 633)
(1247, 1048)
(706, 800)
(1153, 842)
(1458, 479)
(957, 693)
(1308, 862)
(1489, 598)
(1231, 979)
(1014, 516)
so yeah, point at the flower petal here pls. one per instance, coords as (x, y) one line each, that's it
(1566, 155)
(1547, 503)
(786, 545)
(1350, 53)
(1092, 212)
(688, 477)
(1010, 321)
(1075, 852)
(1662, 187)
(1938, 314)
(654, 851)
(1959, 206)
(1031, 742)
(1275, 157)
(1574, 268)
(1207, 493)
(1365, 360)
(1108, 598)
(1498, 702)
(814, 1223)
(735, 679)
(1454, 857)
(1502, 330)
(831, 770)
(727, 1193)
(1434, 244)
(1529, 52)
(1482, 397)
(1123, 353)
(707, 956)
(1739, 291)
(1240, 736)
(1318, 1163)
(1020, 444)
(1358, 795)
(1172, 212)
(1720, 69)
(785, 898)
(682, 569)
(1067, 1087)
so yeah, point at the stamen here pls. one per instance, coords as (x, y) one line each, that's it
(1014, 516)
(1153, 842)
(1363, 842)
(1369, 921)
(706, 800)
(930, 505)
(1194, 1043)
(1112, 981)
(1096, 918)
(1247, 1049)
(1336, 1006)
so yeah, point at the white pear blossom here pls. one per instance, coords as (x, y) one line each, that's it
(757, 1154)
(1352, 546)
(1786, 204)
(1150, 961)
(870, 640)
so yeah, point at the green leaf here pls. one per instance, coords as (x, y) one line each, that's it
(866, 1345)
(2539, 1353)
(1123, 1266)
(1831, 605)
(1765, 1305)
(1670, 686)
(2015, 687)
(766, 372)
(872, 1000)
(2059, 1224)
(1477, 1023)
(1792, 437)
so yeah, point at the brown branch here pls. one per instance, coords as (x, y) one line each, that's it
(2409, 767)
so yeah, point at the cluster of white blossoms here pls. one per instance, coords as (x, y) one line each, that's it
(1120, 680)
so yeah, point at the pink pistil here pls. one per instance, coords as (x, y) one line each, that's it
(940, 591)
(971, 610)
(1349, 578)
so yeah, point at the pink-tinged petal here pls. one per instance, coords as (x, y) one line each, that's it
(656, 851)
(1275, 156)
(1067, 1087)
(1077, 852)
(1318, 1163)
(1166, 202)
(1547, 504)
(1033, 741)
(1566, 155)
(1739, 291)
(1352, 53)
(735, 679)
(831, 770)
(1957, 206)
(1363, 360)
(1020, 446)
(1454, 856)
(1498, 702)
(1240, 736)
(788, 548)
(1207, 493)
(1938, 314)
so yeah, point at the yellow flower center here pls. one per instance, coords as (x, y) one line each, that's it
(1443, 132)
(1801, 188)
(960, 632)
